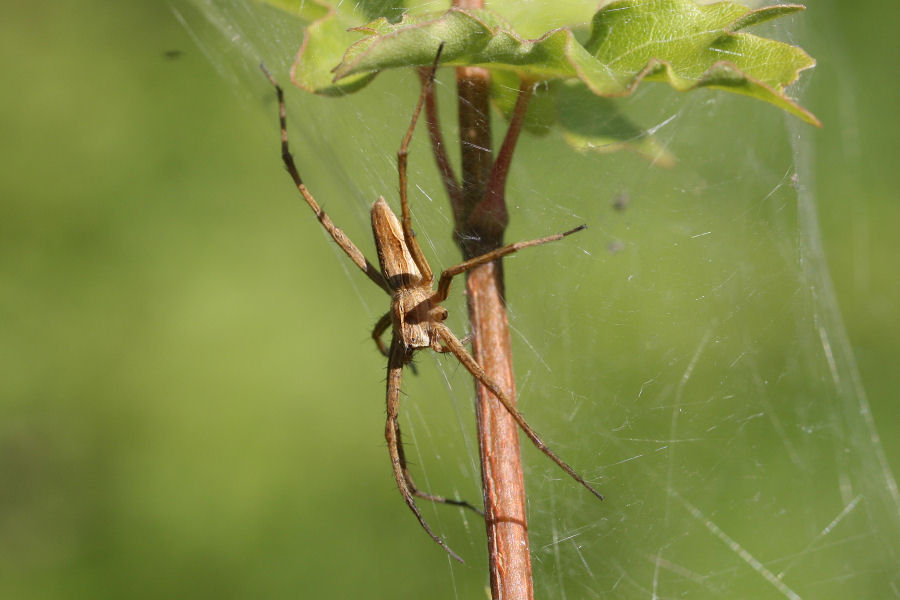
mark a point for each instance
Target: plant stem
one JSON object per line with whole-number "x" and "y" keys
{"x": 498, "y": 436}
{"x": 490, "y": 213}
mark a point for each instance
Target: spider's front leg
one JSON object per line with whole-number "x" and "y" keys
{"x": 447, "y": 276}
{"x": 335, "y": 232}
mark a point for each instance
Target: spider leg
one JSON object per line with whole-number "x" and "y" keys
{"x": 392, "y": 434}
{"x": 337, "y": 235}
{"x": 447, "y": 276}
{"x": 380, "y": 327}
{"x": 383, "y": 323}
{"x": 425, "y": 495}
{"x": 411, "y": 243}
{"x": 471, "y": 365}
{"x": 442, "y": 348}
{"x": 438, "y": 147}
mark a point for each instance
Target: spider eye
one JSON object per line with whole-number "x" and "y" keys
{"x": 442, "y": 314}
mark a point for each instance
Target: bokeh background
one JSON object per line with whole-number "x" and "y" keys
{"x": 190, "y": 405}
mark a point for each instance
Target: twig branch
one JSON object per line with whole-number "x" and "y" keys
{"x": 482, "y": 187}
{"x": 491, "y": 211}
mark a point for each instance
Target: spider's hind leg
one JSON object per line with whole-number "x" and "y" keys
{"x": 422, "y": 494}
{"x": 399, "y": 357}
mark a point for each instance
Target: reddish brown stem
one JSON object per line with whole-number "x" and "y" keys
{"x": 501, "y": 464}
{"x": 503, "y": 484}
{"x": 491, "y": 211}
{"x": 473, "y": 86}
{"x": 501, "y": 467}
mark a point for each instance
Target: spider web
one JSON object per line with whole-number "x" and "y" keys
{"x": 685, "y": 353}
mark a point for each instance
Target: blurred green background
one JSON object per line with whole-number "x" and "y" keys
{"x": 190, "y": 405}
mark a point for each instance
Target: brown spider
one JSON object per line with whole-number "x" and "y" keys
{"x": 416, "y": 314}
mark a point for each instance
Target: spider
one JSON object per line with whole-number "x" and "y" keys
{"x": 416, "y": 316}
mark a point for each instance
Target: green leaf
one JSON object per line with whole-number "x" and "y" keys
{"x": 690, "y": 46}
{"x": 594, "y": 123}
{"x": 675, "y": 41}
{"x": 325, "y": 40}
{"x": 477, "y": 37}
